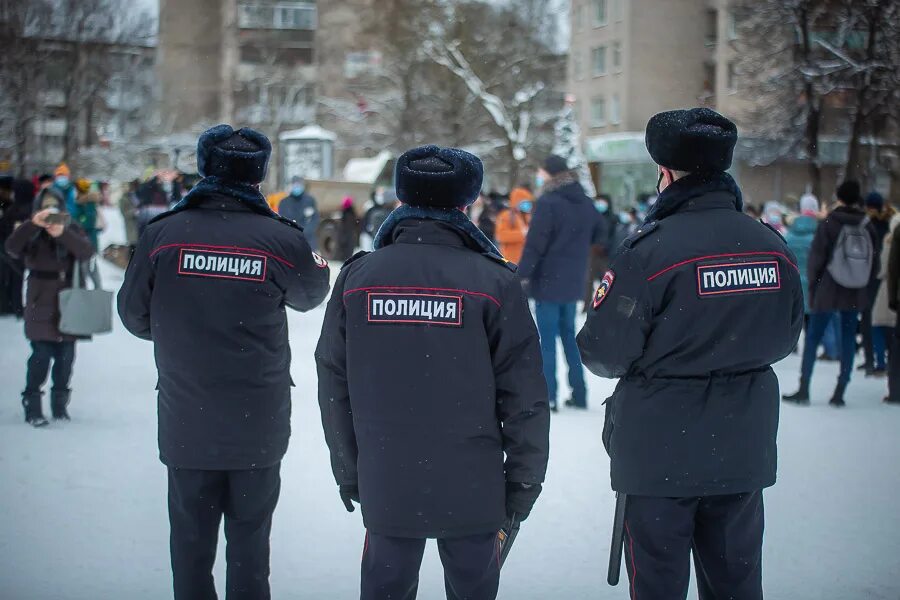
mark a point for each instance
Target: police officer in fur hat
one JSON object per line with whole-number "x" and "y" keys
{"x": 432, "y": 395}
{"x": 208, "y": 285}
{"x": 690, "y": 316}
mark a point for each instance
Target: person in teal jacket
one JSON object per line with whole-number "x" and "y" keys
{"x": 799, "y": 238}
{"x": 85, "y": 212}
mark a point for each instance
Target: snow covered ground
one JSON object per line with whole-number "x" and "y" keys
{"x": 83, "y": 505}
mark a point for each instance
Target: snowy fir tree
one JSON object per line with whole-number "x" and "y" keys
{"x": 568, "y": 145}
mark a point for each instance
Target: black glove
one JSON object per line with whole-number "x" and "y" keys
{"x": 349, "y": 495}
{"x": 520, "y": 498}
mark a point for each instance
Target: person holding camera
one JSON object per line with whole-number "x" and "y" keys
{"x": 51, "y": 245}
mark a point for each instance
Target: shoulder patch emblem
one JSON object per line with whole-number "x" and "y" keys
{"x": 415, "y": 308}
{"x": 604, "y": 288}
{"x": 736, "y": 278}
{"x": 244, "y": 266}
{"x": 320, "y": 262}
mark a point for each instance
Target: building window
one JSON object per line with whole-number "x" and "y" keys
{"x": 577, "y": 70}
{"x": 598, "y": 111}
{"x": 732, "y": 32}
{"x": 600, "y": 14}
{"x": 618, "y": 9}
{"x": 731, "y": 80}
{"x": 282, "y": 15}
{"x": 598, "y": 61}
{"x": 617, "y": 56}
{"x": 614, "y": 117}
{"x": 712, "y": 27}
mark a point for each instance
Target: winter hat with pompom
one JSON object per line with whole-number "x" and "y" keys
{"x": 693, "y": 140}
{"x": 240, "y": 156}
{"x": 438, "y": 177}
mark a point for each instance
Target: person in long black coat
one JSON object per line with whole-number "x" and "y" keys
{"x": 691, "y": 315}
{"x": 827, "y": 296}
{"x": 208, "y": 284}
{"x": 433, "y": 402}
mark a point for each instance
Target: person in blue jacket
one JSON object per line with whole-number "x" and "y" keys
{"x": 554, "y": 266}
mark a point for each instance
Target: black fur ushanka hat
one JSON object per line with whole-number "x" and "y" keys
{"x": 241, "y": 156}
{"x": 438, "y": 177}
{"x": 694, "y": 140}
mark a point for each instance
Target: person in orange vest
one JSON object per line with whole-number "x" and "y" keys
{"x": 512, "y": 224}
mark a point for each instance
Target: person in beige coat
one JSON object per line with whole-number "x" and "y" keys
{"x": 883, "y": 318}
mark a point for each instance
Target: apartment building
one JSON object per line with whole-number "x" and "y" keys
{"x": 630, "y": 59}
{"x": 246, "y": 62}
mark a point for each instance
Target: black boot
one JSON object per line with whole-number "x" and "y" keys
{"x": 837, "y": 399}
{"x": 801, "y": 396}
{"x": 34, "y": 415}
{"x": 59, "y": 400}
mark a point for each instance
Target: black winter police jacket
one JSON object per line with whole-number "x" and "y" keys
{"x": 691, "y": 315}
{"x": 429, "y": 371}
{"x": 209, "y": 286}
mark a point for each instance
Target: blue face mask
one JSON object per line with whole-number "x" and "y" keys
{"x": 297, "y": 190}
{"x": 539, "y": 181}
{"x": 525, "y": 206}
{"x": 601, "y": 206}
{"x": 62, "y": 181}
{"x": 624, "y": 218}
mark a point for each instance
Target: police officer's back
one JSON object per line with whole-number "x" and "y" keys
{"x": 429, "y": 371}
{"x": 690, "y": 316}
{"x": 208, "y": 285}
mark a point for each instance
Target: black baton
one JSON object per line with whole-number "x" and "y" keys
{"x": 506, "y": 536}
{"x": 618, "y": 541}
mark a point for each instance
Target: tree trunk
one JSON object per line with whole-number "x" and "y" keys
{"x": 813, "y": 110}
{"x": 853, "y": 168}
{"x": 813, "y": 118}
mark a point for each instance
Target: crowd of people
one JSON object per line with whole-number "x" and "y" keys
{"x": 849, "y": 284}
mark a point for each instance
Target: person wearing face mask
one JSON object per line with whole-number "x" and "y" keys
{"x": 554, "y": 268}
{"x": 512, "y": 224}
{"x": 599, "y": 260}
{"x": 62, "y": 182}
{"x": 690, "y": 317}
{"x": 300, "y": 207}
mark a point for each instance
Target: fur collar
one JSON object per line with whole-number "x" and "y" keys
{"x": 248, "y": 195}
{"x": 564, "y": 178}
{"x": 691, "y": 186}
{"x": 452, "y": 216}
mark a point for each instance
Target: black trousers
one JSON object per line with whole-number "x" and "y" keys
{"x": 197, "y": 502}
{"x": 724, "y": 533}
{"x": 63, "y": 356}
{"x": 390, "y": 567}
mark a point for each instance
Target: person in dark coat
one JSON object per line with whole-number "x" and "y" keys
{"x": 892, "y": 281}
{"x": 599, "y": 259}
{"x": 152, "y": 202}
{"x": 348, "y": 233}
{"x": 880, "y": 217}
{"x": 554, "y": 268}
{"x": 50, "y": 250}
{"x": 691, "y": 316}
{"x": 16, "y": 199}
{"x": 300, "y": 207}
{"x": 827, "y": 296}
{"x": 429, "y": 373}
{"x": 208, "y": 284}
